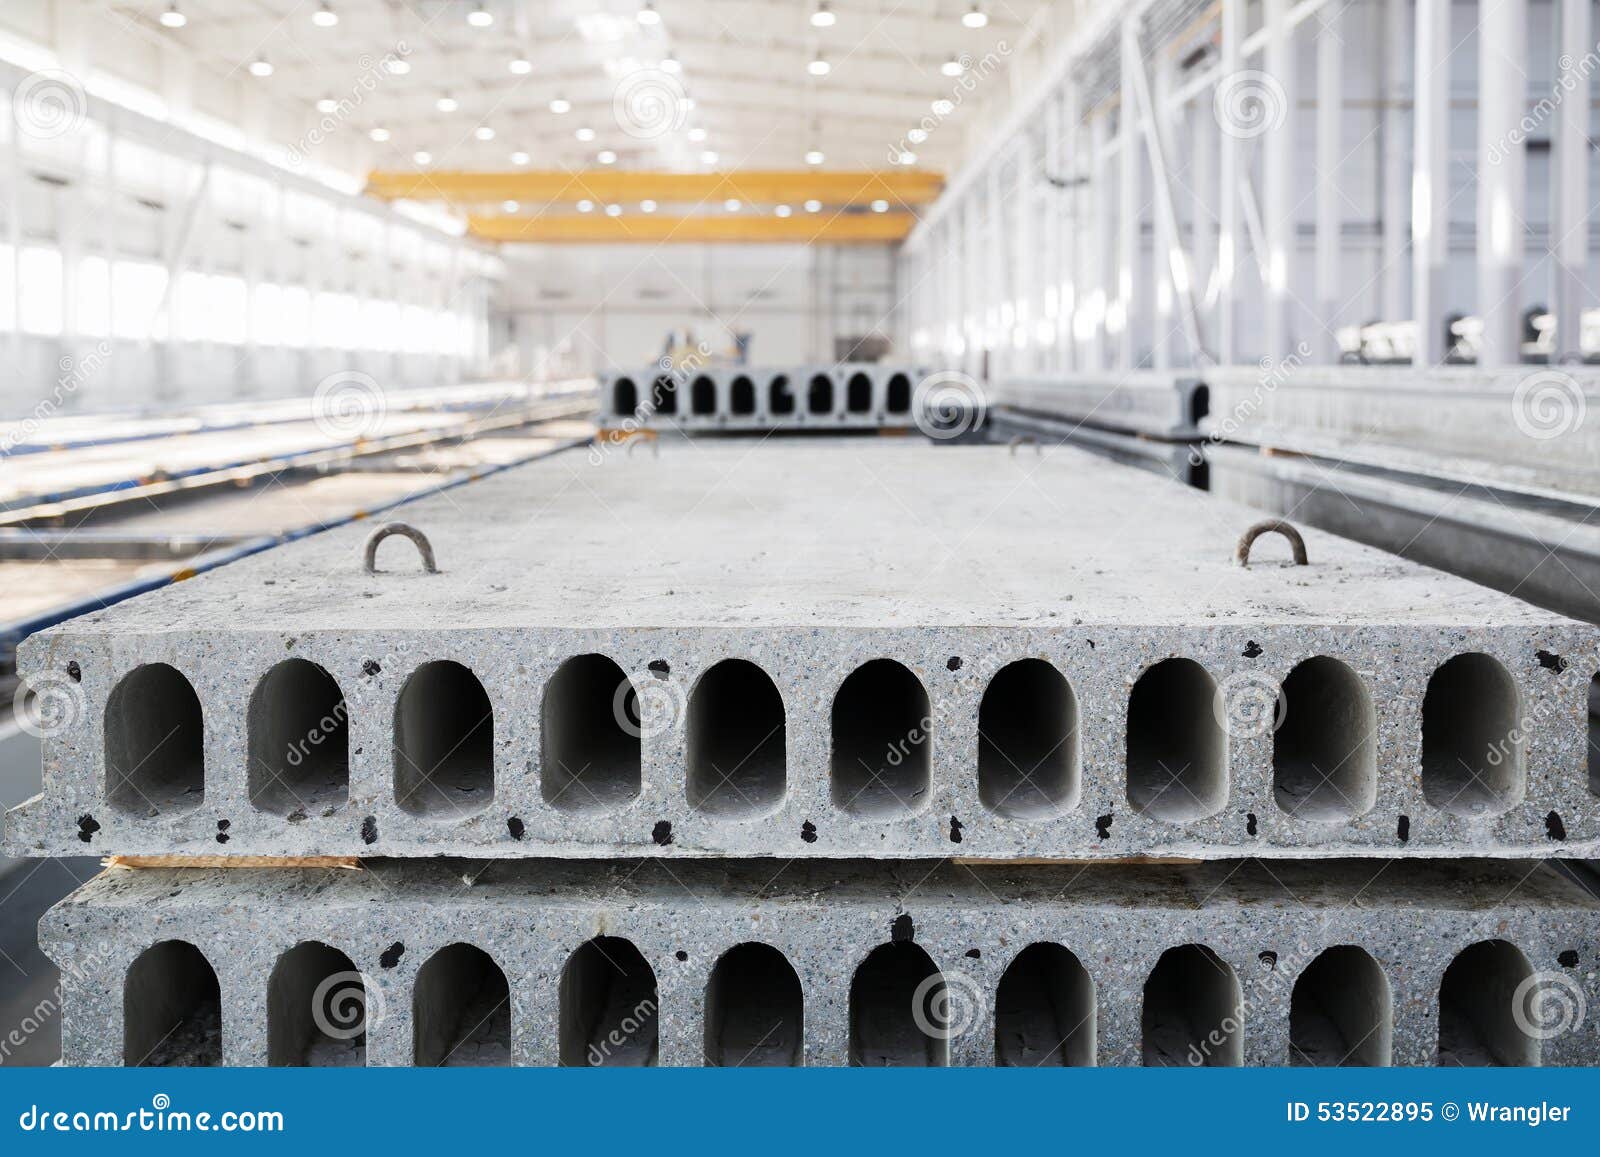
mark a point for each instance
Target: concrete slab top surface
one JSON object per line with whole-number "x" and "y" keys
{"x": 868, "y": 533}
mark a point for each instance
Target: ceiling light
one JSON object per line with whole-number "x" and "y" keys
{"x": 819, "y": 67}
{"x": 649, "y": 15}
{"x": 483, "y": 133}
{"x": 327, "y": 104}
{"x": 422, "y": 157}
{"x": 880, "y": 206}
{"x": 975, "y": 17}
{"x": 814, "y": 157}
{"x": 379, "y": 134}
{"x": 669, "y": 64}
{"x": 783, "y": 210}
{"x": 519, "y": 158}
{"x": 324, "y": 17}
{"x": 916, "y": 136}
{"x": 823, "y": 17}
{"x": 942, "y": 107}
{"x": 697, "y": 135}
{"x": 732, "y": 205}
{"x": 585, "y": 205}
{"x": 606, "y": 157}
{"x": 585, "y": 134}
{"x": 708, "y": 157}
{"x": 172, "y": 18}
{"x": 813, "y": 206}
{"x": 953, "y": 67}
{"x": 396, "y": 66}
{"x": 521, "y": 66}
{"x": 560, "y": 105}
{"x": 906, "y": 157}
{"x": 261, "y": 67}
{"x": 480, "y": 17}
{"x": 509, "y": 206}
{"x": 613, "y": 210}
{"x": 447, "y": 103}
{"x": 647, "y": 206}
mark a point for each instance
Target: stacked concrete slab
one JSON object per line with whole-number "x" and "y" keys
{"x": 845, "y": 396}
{"x": 810, "y": 675}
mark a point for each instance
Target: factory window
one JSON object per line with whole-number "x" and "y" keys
{"x": 1472, "y": 738}
{"x": 899, "y": 401}
{"x": 1594, "y": 735}
{"x": 755, "y": 1014}
{"x": 299, "y": 741}
{"x": 316, "y": 1009}
{"x": 780, "y": 399}
{"x": 736, "y": 739}
{"x": 880, "y": 741}
{"x": 1193, "y": 1011}
{"x": 1177, "y": 751}
{"x": 899, "y": 1010}
{"x": 609, "y": 1006}
{"x": 1324, "y": 752}
{"x": 819, "y": 395}
{"x": 664, "y": 395}
{"x": 624, "y": 397}
{"x": 1480, "y": 1018}
{"x": 461, "y": 1010}
{"x": 744, "y": 395}
{"x": 591, "y": 737}
{"x": 1028, "y": 742}
{"x": 171, "y": 1008}
{"x": 443, "y": 743}
{"x": 155, "y": 743}
{"x": 858, "y": 394}
{"x": 1044, "y": 1010}
{"x": 1340, "y": 1013}
{"x": 703, "y": 396}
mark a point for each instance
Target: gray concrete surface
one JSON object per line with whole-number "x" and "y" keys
{"x": 1159, "y": 404}
{"x": 880, "y": 588}
{"x": 583, "y": 963}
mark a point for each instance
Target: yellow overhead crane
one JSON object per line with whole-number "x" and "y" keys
{"x": 844, "y": 195}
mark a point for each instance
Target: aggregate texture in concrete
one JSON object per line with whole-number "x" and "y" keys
{"x": 829, "y": 648}
{"x": 841, "y": 396}
{"x": 831, "y": 963}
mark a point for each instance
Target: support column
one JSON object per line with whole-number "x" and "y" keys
{"x": 1570, "y": 229}
{"x": 1052, "y": 276}
{"x": 1278, "y": 182}
{"x": 1163, "y": 229}
{"x": 1129, "y": 199}
{"x": 1330, "y": 151}
{"x": 1430, "y": 180}
{"x": 1228, "y": 171}
{"x": 1395, "y": 37}
{"x": 1203, "y": 227}
{"x": 1103, "y": 244}
{"x": 1502, "y": 96}
{"x": 1072, "y": 281}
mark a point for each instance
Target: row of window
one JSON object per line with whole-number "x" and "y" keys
{"x": 903, "y": 1010}
{"x": 1324, "y": 741}
{"x": 781, "y": 399}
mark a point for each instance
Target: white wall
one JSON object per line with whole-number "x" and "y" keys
{"x": 596, "y": 307}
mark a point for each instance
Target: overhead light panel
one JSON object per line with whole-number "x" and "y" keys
{"x": 606, "y": 157}
{"x": 906, "y": 157}
{"x": 647, "y": 206}
{"x": 697, "y": 134}
{"x": 509, "y": 206}
{"x": 585, "y": 205}
{"x": 732, "y": 205}
{"x": 327, "y": 105}
{"x": 480, "y": 17}
{"x": 814, "y": 157}
{"x": 709, "y": 157}
{"x": 783, "y": 210}
{"x": 396, "y": 65}
{"x": 585, "y": 134}
{"x": 173, "y": 17}
{"x": 670, "y": 65}
{"x": 942, "y": 107}
{"x": 953, "y": 67}
{"x": 422, "y": 157}
{"x": 521, "y": 66}
{"x": 916, "y": 136}
{"x": 520, "y": 158}
{"x": 613, "y": 210}
{"x": 823, "y": 17}
{"x": 649, "y": 16}
{"x": 560, "y": 105}
{"x": 975, "y": 17}
{"x": 819, "y": 66}
{"x": 325, "y": 17}
{"x": 483, "y": 133}
{"x": 880, "y": 206}
{"x": 379, "y": 134}
{"x": 446, "y": 103}
{"x": 813, "y": 206}
{"x": 261, "y": 67}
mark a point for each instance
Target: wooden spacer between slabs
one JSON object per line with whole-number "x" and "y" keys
{"x": 351, "y": 862}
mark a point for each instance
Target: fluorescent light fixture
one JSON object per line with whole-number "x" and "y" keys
{"x": 732, "y": 204}
{"x": 814, "y": 157}
{"x": 823, "y": 17}
{"x": 585, "y": 134}
{"x": 606, "y": 157}
{"x": 697, "y": 135}
{"x": 649, "y": 16}
{"x": 520, "y": 158}
{"x": 483, "y": 133}
{"x": 560, "y": 105}
{"x": 396, "y": 66}
{"x": 647, "y": 206}
{"x": 819, "y": 67}
{"x": 670, "y": 65}
{"x": 325, "y": 17}
{"x": 585, "y": 205}
{"x": 880, "y": 206}
{"x": 447, "y": 103}
{"x": 509, "y": 206}
{"x": 613, "y": 210}
{"x": 327, "y": 105}
{"x": 953, "y": 67}
{"x": 521, "y": 66}
{"x": 942, "y": 107}
{"x": 261, "y": 67}
{"x": 906, "y": 157}
{"x": 379, "y": 134}
{"x": 813, "y": 206}
{"x": 975, "y": 17}
{"x": 173, "y": 18}
{"x": 709, "y": 157}
{"x": 480, "y": 17}
{"x": 916, "y": 136}
{"x": 783, "y": 210}
{"x": 422, "y": 157}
